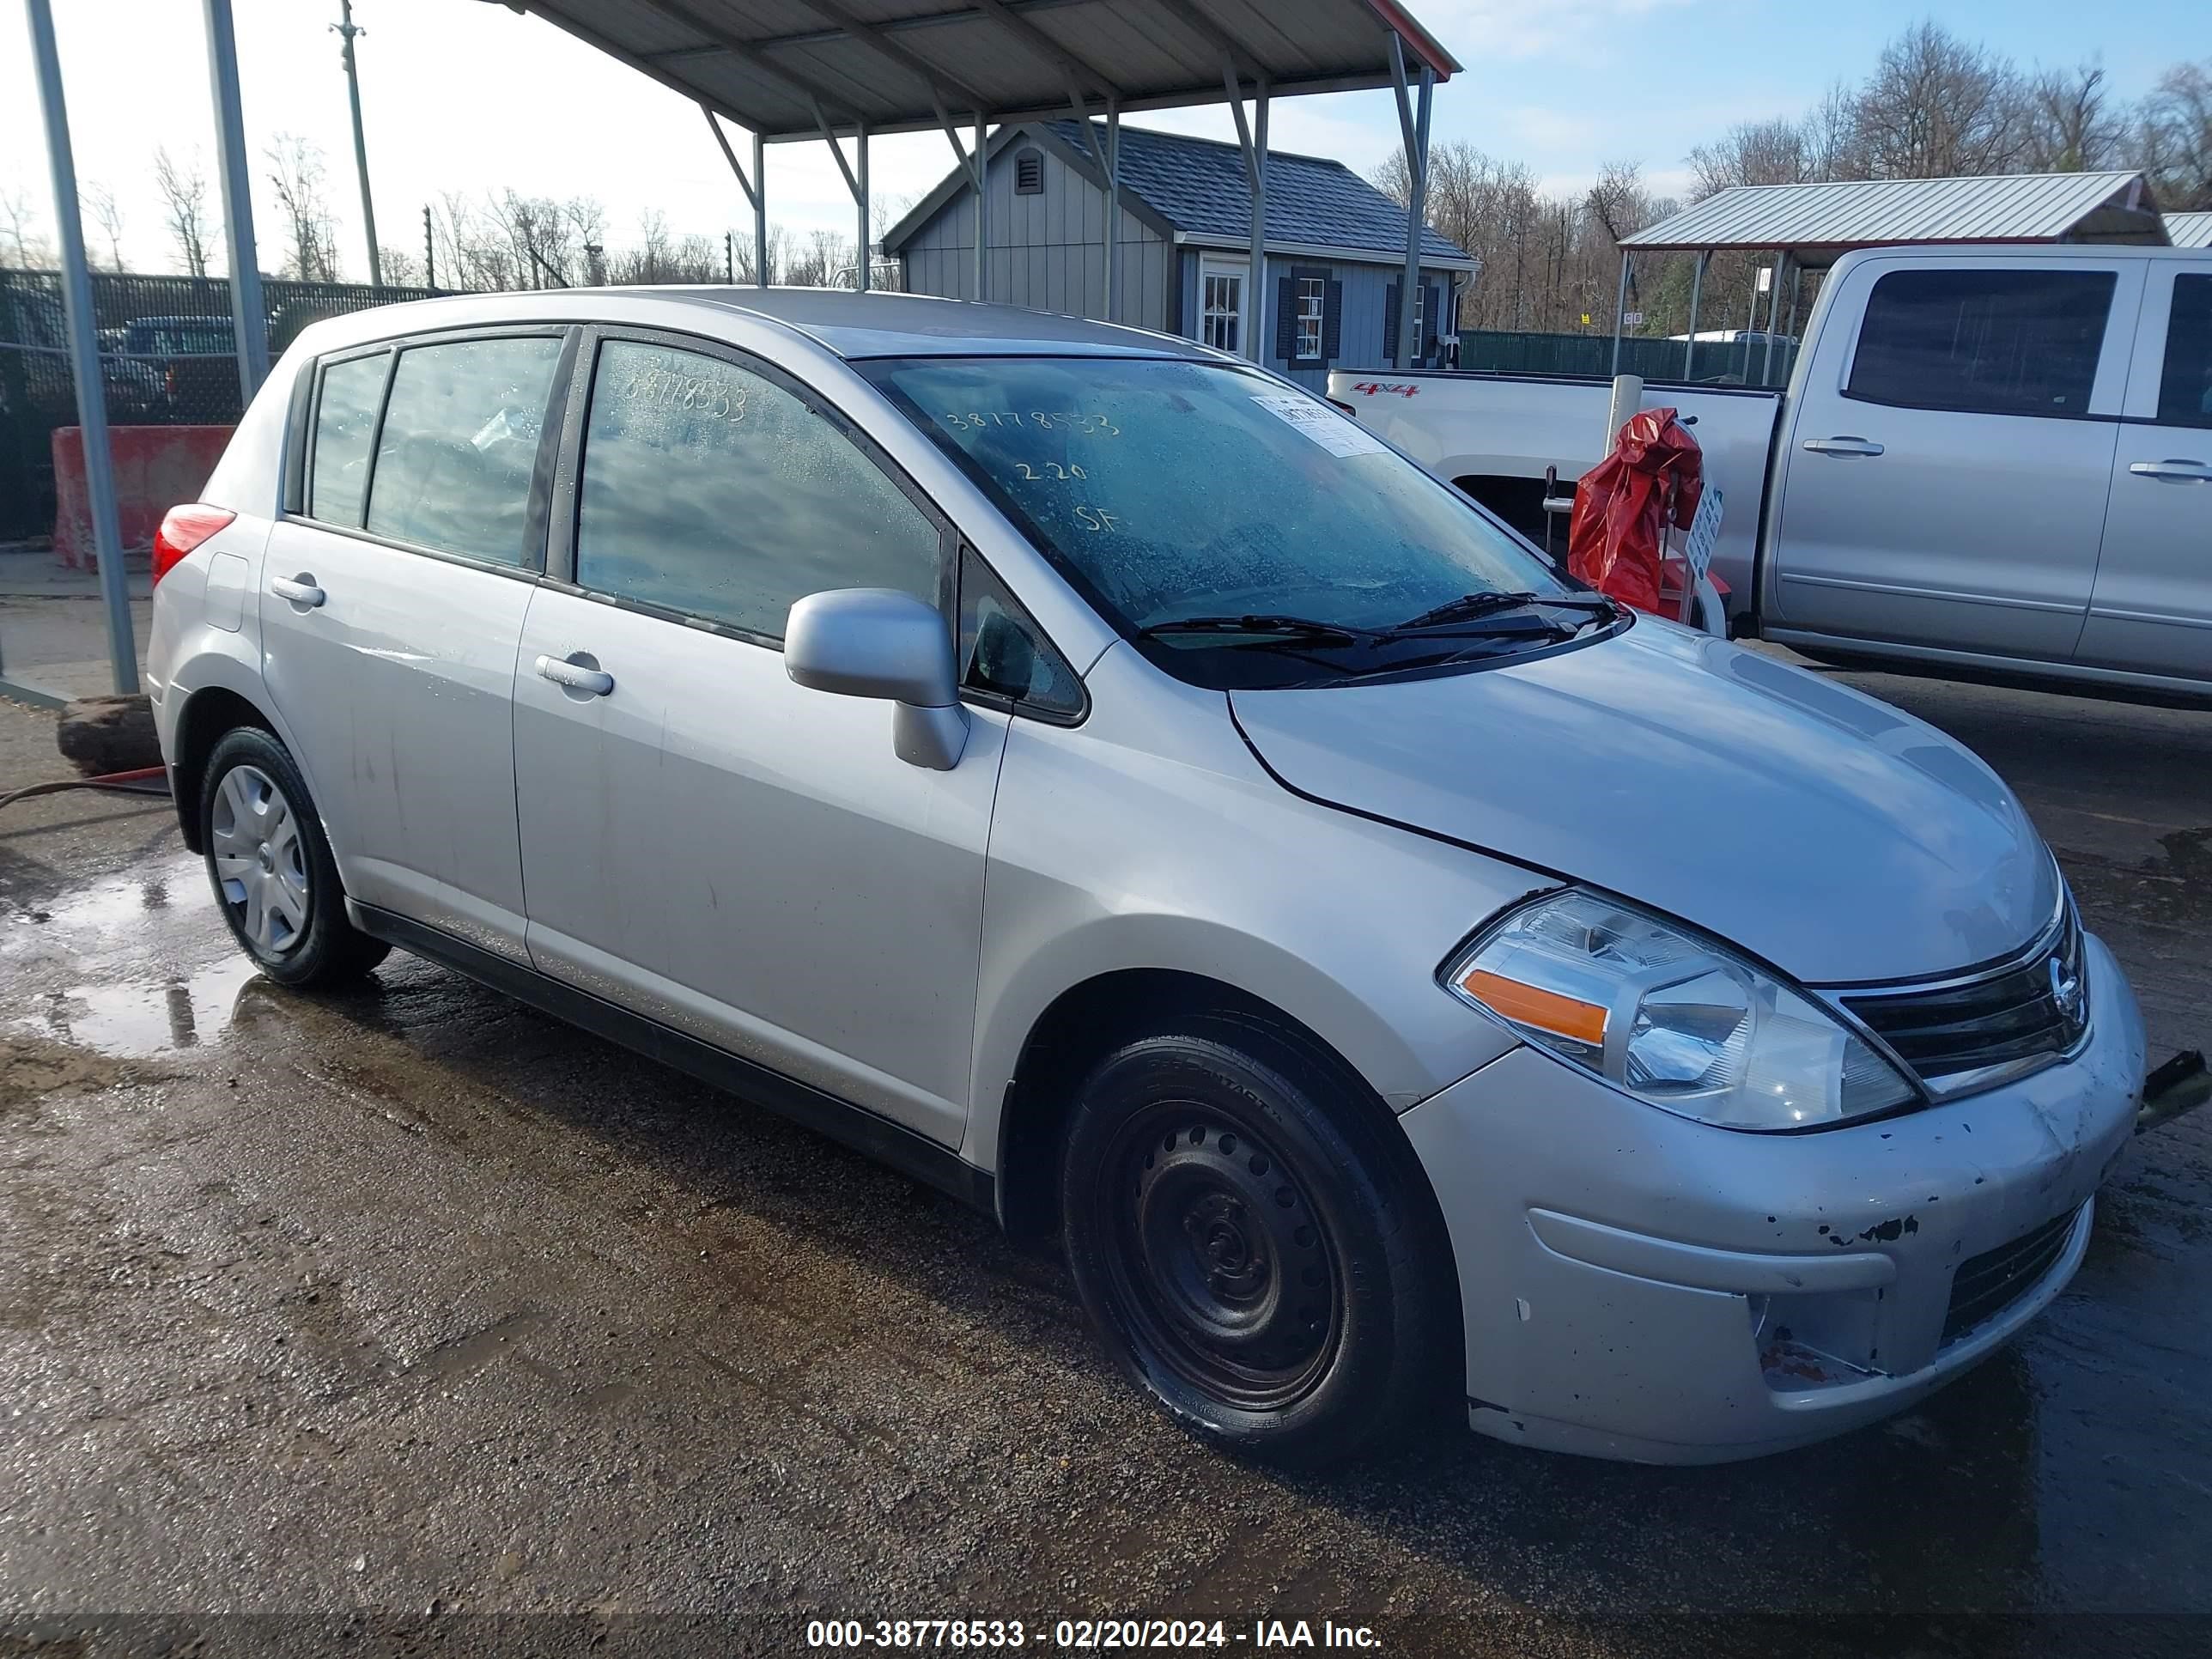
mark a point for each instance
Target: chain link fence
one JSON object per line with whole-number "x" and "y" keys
{"x": 167, "y": 357}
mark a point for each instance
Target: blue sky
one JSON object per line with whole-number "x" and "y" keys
{"x": 461, "y": 95}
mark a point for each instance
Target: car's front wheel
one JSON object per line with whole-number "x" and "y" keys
{"x": 272, "y": 868}
{"x": 1257, "y": 1251}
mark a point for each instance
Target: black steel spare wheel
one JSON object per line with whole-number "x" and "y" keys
{"x": 1222, "y": 1258}
{"x": 1256, "y": 1243}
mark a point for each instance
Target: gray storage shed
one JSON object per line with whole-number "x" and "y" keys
{"x": 1335, "y": 245}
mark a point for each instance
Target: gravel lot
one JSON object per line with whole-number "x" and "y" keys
{"x": 411, "y": 1321}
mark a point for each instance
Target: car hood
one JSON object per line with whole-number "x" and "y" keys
{"x": 1830, "y": 834}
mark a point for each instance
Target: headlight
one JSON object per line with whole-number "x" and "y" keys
{"x": 1673, "y": 1018}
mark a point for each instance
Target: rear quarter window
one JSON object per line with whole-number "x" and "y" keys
{"x": 345, "y": 426}
{"x": 1983, "y": 342}
{"x": 459, "y": 439}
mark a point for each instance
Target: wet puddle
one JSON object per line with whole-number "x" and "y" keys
{"x": 121, "y": 907}
{"x": 98, "y": 967}
{"x": 139, "y": 1018}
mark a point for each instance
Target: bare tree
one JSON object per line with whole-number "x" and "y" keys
{"x": 1937, "y": 107}
{"x": 184, "y": 199}
{"x": 698, "y": 258}
{"x": 2067, "y": 124}
{"x": 401, "y": 269}
{"x": 1777, "y": 152}
{"x": 2176, "y": 136}
{"x": 100, "y": 202}
{"x": 19, "y": 221}
{"x": 311, "y": 237}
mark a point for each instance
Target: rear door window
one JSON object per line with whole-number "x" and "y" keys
{"x": 458, "y": 444}
{"x": 2185, "y": 385}
{"x": 711, "y": 490}
{"x": 345, "y": 426}
{"x": 1984, "y": 342}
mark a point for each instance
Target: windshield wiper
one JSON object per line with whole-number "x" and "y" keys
{"x": 1468, "y": 607}
{"x": 1263, "y": 630}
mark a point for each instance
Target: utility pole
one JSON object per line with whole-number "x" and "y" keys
{"x": 430, "y": 251}
{"x": 346, "y": 31}
{"x": 730, "y": 257}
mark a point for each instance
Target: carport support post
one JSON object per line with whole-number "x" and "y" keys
{"x": 84, "y": 352}
{"x": 860, "y": 196}
{"x": 1620, "y": 309}
{"x": 1774, "y": 311}
{"x": 249, "y": 318}
{"x": 1697, "y": 291}
{"x": 1413, "y": 135}
{"x": 760, "y": 211}
{"x": 1253, "y": 140}
{"x": 982, "y": 197}
{"x": 755, "y": 190}
{"x": 1113, "y": 199}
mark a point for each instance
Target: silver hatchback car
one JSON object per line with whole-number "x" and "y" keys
{"x": 1096, "y": 777}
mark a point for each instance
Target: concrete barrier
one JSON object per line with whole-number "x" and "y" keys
{"x": 155, "y": 468}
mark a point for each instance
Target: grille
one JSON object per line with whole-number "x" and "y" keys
{"x": 1988, "y": 1284}
{"x": 2012, "y": 1015}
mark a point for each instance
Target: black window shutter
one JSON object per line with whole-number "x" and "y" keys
{"x": 1287, "y": 320}
{"x": 1390, "y": 323}
{"x": 1432, "y": 304}
{"x": 1332, "y": 322}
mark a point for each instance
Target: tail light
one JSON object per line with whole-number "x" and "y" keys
{"x": 1347, "y": 408}
{"x": 183, "y": 529}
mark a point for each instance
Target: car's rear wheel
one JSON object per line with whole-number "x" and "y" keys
{"x": 272, "y": 868}
{"x": 1258, "y": 1254}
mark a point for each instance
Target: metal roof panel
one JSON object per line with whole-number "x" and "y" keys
{"x": 2016, "y": 207}
{"x": 2189, "y": 229}
{"x": 768, "y": 64}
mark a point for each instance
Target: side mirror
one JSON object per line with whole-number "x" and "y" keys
{"x": 880, "y": 642}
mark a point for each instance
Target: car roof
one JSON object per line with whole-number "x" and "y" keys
{"x": 852, "y": 325}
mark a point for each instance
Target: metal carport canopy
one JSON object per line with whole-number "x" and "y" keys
{"x": 783, "y": 67}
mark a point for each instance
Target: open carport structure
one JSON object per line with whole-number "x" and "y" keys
{"x": 1811, "y": 226}
{"x": 841, "y": 72}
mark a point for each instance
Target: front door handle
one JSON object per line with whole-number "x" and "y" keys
{"x": 1841, "y": 447}
{"x": 576, "y": 676}
{"x": 300, "y": 589}
{"x": 2181, "y": 472}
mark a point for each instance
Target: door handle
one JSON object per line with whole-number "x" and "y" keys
{"x": 1841, "y": 447}
{"x": 576, "y": 676}
{"x": 2181, "y": 472}
{"x": 300, "y": 589}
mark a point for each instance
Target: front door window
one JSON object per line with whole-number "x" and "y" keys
{"x": 1221, "y": 292}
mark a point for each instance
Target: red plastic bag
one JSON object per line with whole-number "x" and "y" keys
{"x": 1624, "y": 503}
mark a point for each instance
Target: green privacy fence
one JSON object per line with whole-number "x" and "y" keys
{"x": 1717, "y": 362}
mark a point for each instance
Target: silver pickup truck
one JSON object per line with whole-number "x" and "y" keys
{"x": 1989, "y": 460}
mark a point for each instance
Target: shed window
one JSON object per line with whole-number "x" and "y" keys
{"x": 1028, "y": 172}
{"x": 1313, "y": 293}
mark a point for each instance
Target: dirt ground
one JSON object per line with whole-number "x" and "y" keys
{"x": 411, "y": 1321}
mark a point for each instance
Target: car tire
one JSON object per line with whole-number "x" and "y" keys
{"x": 270, "y": 865}
{"x": 1258, "y": 1245}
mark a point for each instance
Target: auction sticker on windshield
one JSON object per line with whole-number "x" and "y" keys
{"x": 1321, "y": 423}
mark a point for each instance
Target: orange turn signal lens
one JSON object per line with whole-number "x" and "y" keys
{"x": 1531, "y": 1004}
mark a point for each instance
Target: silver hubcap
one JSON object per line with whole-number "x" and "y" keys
{"x": 260, "y": 862}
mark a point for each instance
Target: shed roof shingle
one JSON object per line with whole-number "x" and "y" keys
{"x": 1198, "y": 186}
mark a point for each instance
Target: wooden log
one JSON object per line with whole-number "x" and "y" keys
{"x": 109, "y": 734}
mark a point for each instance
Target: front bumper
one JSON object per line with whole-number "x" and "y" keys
{"x": 1637, "y": 1285}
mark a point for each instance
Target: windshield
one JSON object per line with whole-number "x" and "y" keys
{"x": 1173, "y": 490}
